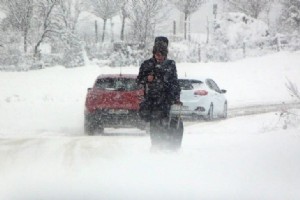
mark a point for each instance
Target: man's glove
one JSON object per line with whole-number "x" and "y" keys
{"x": 177, "y": 102}
{"x": 150, "y": 78}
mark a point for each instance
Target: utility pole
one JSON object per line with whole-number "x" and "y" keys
{"x": 189, "y": 23}
{"x": 96, "y": 32}
{"x": 174, "y": 30}
{"x": 112, "y": 30}
{"x": 215, "y": 11}
{"x": 207, "y": 31}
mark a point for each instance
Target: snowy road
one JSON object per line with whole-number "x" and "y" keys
{"x": 259, "y": 109}
{"x": 251, "y": 155}
{"x": 245, "y": 157}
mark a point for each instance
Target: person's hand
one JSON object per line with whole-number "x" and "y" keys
{"x": 178, "y": 102}
{"x": 150, "y": 78}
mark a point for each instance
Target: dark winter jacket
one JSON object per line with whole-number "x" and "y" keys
{"x": 165, "y": 87}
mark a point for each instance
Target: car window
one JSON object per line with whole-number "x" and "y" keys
{"x": 185, "y": 84}
{"x": 197, "y": 83}
{"x": 188, "y": 84}
{"x": 126, "y": 84}
{"x": 212, "y": 85}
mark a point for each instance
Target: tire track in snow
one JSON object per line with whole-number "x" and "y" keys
{"x": 252, "y": 110}
{"x": 259, "y": 109}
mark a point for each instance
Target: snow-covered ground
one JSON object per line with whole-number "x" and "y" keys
{"x": 45, "y": 155}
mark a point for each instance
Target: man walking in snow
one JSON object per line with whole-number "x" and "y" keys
{"x": 158, "y": 75}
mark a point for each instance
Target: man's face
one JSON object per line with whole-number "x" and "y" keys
{"x": 159, "y": 58}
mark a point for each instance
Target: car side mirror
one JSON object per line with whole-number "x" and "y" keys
{"x": 223, "y": 91}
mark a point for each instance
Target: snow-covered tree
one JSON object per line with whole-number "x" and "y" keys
{"x": 144, "y": 16}
{"x": 46, "y": 23}
{"x": 188, "y": 7}
{"x": 105, "y": 9}
{"x": 70, "y": 44}
{"x": 236, "y": 28}
{"x": 251, "y": 8}
{"x": 19, "y": 14}
{"x": 290, "y": 18}
{"x": 125, "y": 13}
{"x": 69, "y": 12}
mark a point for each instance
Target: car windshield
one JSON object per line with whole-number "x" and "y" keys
{"x": 126, "y": 84}
{"x": 189, "y": 84}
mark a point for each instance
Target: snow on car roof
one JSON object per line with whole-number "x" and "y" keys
{"x": 132, "y": 76}
{"x": 192, "y": 78}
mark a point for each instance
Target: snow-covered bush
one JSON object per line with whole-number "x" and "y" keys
{"x": 9, "y": 55}
{"x": 290, "y": 17}
{"x": 294, "y": 42}
{"x": 235, "y": 36}
{"x": 288, "y": 117}
{"x": 233, "y": 29}
{"x": 10, "y": 50}
{"x": 126, "y": 54}
{"x": 216, "y": 52}
{"x": 72, "y": 50}
{"x": 185, "y": 51}
{"x": 100, "y": 51}
{"x": 52, "y": 59}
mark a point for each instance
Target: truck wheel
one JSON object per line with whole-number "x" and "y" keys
{"x": 89, "y": 125}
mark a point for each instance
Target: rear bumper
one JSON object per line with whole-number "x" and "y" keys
{"x": 197, "y": 107}
{"x": 183, "y": 112}
{"x": 189, "y": 113}
{"x": 106, "y": 119}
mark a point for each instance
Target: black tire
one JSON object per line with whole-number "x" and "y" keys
{"x": 176, "y": 133}
{"x": 225, "y": 111}
{"x": 91, "y": 125}
{"x": 100, "y": 129}
{"x": 210, "y": 115}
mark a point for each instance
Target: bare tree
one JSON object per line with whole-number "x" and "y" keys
{"x": 48, "y": 24}
{"x": 290, "y": 16}
{"x": 188, "y": 7}
{"x": 124, "y": 15}
{"x": 69, "y": 12}
{"x": 105, "y": 9}
{"x": 19, "y": 15}
{"x": 70, "y": 44}
{"x": 252, "y": 8}
{"x": 143, "y": 17}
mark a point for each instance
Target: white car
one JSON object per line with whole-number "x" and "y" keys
{"x": 201, "y": 98}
